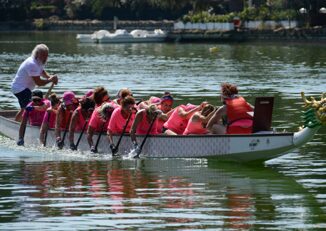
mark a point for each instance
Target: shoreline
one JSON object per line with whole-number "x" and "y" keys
{"x": 317, "y": 34}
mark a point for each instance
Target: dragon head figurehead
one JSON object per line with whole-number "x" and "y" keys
{"x": 318, "y": 107}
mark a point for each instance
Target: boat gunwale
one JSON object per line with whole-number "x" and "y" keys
{"x": 179, "y": 136}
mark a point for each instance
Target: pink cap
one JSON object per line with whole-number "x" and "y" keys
{"x": 89, "y": 93}
{"x": 155, "y": 100}
{"x": 190, "y": 106}
{"x": 68, "y": 97}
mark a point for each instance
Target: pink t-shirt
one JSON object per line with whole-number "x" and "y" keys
{"x": 117, "y": 122}
{"x": 96, "y": 121}
{"x": 36, "y": 117}
{"x": 143, "y": 126}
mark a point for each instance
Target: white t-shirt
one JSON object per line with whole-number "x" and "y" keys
{"x": 24, "y": 76}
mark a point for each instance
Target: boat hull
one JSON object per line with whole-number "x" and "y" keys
{"x": 122, "y": 36}
{"x": 250, "y": 147}
{"x": 132, "y": 40}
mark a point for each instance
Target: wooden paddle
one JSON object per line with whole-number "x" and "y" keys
{"x": 62, "y": 142}
{"x": 49, "y": 91}
{"x": 81, "y": 134}
{"x": 46, "y": 132}
{"x": 116, "y": 148}
{"x": 139, "y": 149}
{"x": 102, "y": 130}
{"x": 90, "y": 111}
{"x": 98, "y": 138}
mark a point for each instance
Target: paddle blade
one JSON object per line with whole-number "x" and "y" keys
{"x": 137, "y": 151}
{"x": 114, "y": 150}
{"x": 93, "y": 149}
{"x": 60, "y": 144}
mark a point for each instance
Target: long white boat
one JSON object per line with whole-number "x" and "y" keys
{"x": 250, "y": 147}
{"x": 122, "y": 36}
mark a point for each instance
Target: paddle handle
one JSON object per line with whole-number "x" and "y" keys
{"x": 147, "y": 133}
{"x": 81, "y": 133}
{"x": 123, "y": 131}
{"x": 49, "y": 91}
{"x": 65, "y": 132}
{"x": 99, "y": 136}
{"x": 46, "y": 132}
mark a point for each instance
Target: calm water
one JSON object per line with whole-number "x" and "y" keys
{"x": 47, "y": 189}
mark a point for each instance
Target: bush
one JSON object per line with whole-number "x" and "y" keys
{"x": 248, "y": 14}
{"x": 39, "y": 24}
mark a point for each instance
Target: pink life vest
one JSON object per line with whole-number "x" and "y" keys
{"x": 50, "y": 117}
{"x": 36, "y": 117}
{"x": 195, "y": 128}
{"x": 144, "y": 124}
{"x": 176, "y": 123}
{"x": 117, "y": 122}
{"x": 80, "y": 120}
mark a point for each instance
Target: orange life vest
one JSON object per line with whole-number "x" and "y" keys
{"x": 239, "y": 121}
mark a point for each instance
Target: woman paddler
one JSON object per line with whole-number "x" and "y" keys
{"x": 49, "y": 117}
{"x": 68, "y": 105}
{"x": 80, "y": 118}
{"x": 166, "y": 107}
{"x": 197, "y": 122}
{"x": 100, "y": 96}
{"x": 99, "y": 122}
{"x": 34, "y": 113}
{"x": 144, "y": 120}
{"x": 177, "y": 122}
{"x": 236, "y": 112}
{"x": 119, "y": 119}
{"x": 164, "y": 104}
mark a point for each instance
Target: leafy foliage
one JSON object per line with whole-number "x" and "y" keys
{"x": 188, "y": 10}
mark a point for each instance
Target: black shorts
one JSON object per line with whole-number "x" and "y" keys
{"x": 24, "y": 97}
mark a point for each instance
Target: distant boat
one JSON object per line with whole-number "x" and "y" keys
{"x": 248, "y": 147}
{"x": 123, "y": 36}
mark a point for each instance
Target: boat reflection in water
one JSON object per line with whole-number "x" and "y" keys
{"x": 152, "y": 193}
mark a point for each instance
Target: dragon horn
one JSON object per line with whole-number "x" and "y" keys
{"x": 305, "y": 100}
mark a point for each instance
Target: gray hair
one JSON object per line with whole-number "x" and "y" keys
{"x": 39, "y": 49}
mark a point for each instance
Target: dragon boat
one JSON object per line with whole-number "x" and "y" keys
{"x": 263, "y": 144}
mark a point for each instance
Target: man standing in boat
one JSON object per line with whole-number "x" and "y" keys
{"x": 29, "y": 74}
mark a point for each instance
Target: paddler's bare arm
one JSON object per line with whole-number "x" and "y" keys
{"x": 216, "y": 117}
{"x": 138, "y": 118}
{"x": 42, "y": 82}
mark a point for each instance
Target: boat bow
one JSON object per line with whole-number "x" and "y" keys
{"x": 303, "y": 136}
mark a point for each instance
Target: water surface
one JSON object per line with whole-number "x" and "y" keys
{"x": 47, "y": 189}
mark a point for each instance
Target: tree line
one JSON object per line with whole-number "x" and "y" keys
{"x": 160, "y": 9}
{"x": 99, "y": 9}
